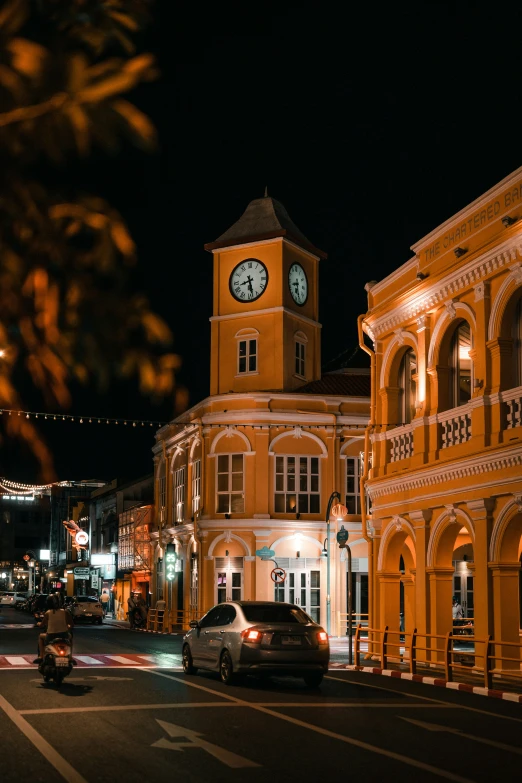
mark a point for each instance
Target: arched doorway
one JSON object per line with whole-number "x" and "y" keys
{"x": 396, "y": 567}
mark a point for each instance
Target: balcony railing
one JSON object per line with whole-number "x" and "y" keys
{"x": 455, "y": 427}
{"x": 513, "y": 402}
{"x": 401, "y": 445}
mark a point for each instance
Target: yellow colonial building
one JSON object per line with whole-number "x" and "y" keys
{"x": 446, "y": 423}
{"x": 244, "y": 478}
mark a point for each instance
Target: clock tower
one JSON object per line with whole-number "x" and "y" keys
{"x": 265, "y": 333}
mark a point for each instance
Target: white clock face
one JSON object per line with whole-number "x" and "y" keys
{"x": 248, "y": 280}
{"x": 298, "y": 284}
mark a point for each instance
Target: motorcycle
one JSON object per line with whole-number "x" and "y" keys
{"x": 57, "y": 660}
{"x": 140, "y": 622}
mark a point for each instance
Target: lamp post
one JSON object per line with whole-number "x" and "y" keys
{"x": 333, "y": 496}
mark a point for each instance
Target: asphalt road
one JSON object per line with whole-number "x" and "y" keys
{"x": 132, "y": 715}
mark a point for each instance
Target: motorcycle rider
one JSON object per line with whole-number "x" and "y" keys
{"x": 57, "y": 623}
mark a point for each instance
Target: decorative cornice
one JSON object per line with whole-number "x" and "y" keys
{"x": 444, "y": 473}
{"x": 453, "y": 284}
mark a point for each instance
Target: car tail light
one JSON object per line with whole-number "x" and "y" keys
{"x": 322, "y": 637}
{"x": 250, "y": 635}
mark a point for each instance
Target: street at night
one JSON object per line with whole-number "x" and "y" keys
{"x": 127, "y": 711}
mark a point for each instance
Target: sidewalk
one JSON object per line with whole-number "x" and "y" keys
{"x": 470, "y": 680}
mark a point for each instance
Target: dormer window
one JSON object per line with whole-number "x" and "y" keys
{"x": 247, "y": 351}
{"x": 300, "y": 354}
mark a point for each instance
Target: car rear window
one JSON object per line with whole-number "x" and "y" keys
{"x": 267, "y": 613}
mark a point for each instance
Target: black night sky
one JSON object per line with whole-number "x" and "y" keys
{"x": 371, "y": 126}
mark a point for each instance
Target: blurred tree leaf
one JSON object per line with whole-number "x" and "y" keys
{"x": 67, "y": 308}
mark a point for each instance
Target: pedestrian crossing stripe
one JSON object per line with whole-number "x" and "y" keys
{"x": 166, "y": 660}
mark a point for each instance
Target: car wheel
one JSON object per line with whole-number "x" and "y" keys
{"x": 226, "y": 670}
{"x": 100, "y": 620}
{"x": 47, "y": 677}
{"x": 188, "y": 666}
{"x": 58, "y": 678}
{"x": 314, "y": 679}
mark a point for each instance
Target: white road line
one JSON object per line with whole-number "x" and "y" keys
{"x": 148, "y": 657}
{"x": 121, "y": 659}
{"x": 124, "y": 707}
{"x": 327, "y": 733}
{"x": 425, "y": 698}
{"x": 88, "y": 659}
{"x": 180, "y": 705}
{"x": 59, "y": 763}
{"x": 16, "y": 660}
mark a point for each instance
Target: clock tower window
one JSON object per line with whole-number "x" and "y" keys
{"x": 247, "y": 356}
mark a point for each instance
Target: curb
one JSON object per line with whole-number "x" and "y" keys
{"x": 454, "y": 686}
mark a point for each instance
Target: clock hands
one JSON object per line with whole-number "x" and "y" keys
{"x": 248, "y": 282}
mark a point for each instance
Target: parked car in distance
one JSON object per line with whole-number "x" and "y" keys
{"x": 20, "y": 600}
{"x": 257, "y": 637}
{"x": 88, "y": 608}
{"x": 9, "y": 598}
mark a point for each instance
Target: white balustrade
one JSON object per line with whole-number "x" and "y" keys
{"x": 514, "y": 412}
{"x": 401, "y": 443}
{"x": 456, "y": 427}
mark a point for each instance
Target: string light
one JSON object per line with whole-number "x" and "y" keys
{"x": 82, "y": 419}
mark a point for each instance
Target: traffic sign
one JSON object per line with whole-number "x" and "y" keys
{"x": 170, "y": 562}
{"x": 278, "y": 575}
{"x": 342, "y": 537}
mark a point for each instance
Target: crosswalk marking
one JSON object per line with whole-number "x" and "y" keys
{"x": 162, "y": 661}
{"x": 16, "y": 660}
{"x": 120, "y": 659}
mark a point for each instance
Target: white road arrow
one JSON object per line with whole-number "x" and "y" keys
{"x": 449, "y": 730}
{"x": 195, "y": 741}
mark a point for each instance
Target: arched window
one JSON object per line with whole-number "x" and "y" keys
{"x": 460, "y": 376}
{"x": 407, "y": 387}
{"x": 517, "y": 344}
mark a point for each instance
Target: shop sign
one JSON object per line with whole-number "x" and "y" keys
{"x": 81, "y": 573}
{"x": 265, "y": 553}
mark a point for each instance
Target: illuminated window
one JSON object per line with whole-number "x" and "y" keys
{"x": 230, "y": 493}
{"x": 352, "y": 495}
{"x": 179, "y": 494}
{"x": 460, "y": 366}
{"x": 407, "y": 387}
{"x": 162, "y": 492}
{"x": 517, "y": 344}
{"x": 300, "y": 359}
{"x": 297, "y": 485}
{"x": 247, "y": 356}
{"x": 196, "y": 486}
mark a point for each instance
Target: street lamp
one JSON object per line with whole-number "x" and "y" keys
{"x": 333, "y": 496}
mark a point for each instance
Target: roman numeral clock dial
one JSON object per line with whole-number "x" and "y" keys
{"x": 248, "y": 280}
{"x": 298, "y": 284}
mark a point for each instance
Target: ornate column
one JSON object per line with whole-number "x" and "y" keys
{"x": 421, "y": 525}
{"x": 506, "y": 580}
{"x": 440, "y": 620}
{"x": 481, "y": 513}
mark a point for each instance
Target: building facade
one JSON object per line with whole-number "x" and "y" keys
{"x": 244, "y": 478}
{"x": 446, "y": 477}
